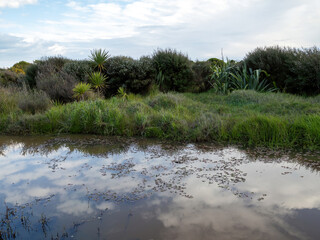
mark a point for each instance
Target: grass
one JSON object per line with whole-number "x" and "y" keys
{"x": 274, "y": 120}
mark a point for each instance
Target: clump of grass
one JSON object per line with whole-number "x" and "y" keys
{"x": 8, "y": 100}
{"x": 34, "y": 101}
{"x": 165, "y": 100}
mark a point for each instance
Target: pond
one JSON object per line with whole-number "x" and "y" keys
{"x": 89, "y": 187}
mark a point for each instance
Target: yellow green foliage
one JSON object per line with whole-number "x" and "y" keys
{"x": 20, "y": 67}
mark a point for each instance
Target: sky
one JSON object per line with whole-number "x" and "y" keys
{"x": 31, "y": 29}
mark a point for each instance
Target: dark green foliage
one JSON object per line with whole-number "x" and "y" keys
{"x": 202, "y": 75}
{"x": 307, "y": 71}
{"x": 134, "y": 75}
{"x": 276, "y": 61}
{"x": 293, "y": 70}
{"x": 34, "y": 101}
{"x": 79, "y": 69}
{"x": 173, "y": 69}
{"x": 31, "y": 73}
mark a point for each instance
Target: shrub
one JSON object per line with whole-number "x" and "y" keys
{"x": 58, "y": 85}
{"x": 173, "y": 69}
{"x": 30, "y": 76}
{"x": 9, "y": 78}
{"x": 20, "y": 67}
{"x": 143, "y": 76}
{"x": 80, "y": 70}
{"x": 307, "y": 71}
{"x": 134, "y": 75}
{"x": 53, "y": 80}
{"x": 293, "y": 70}
{"x": 202, "y": 74}
{"x": 276, "y": 61}
{"x": 34, "y": 101}
{"x": 56, "y": 63}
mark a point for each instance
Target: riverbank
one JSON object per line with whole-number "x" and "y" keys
{"x": 275, "y": 120}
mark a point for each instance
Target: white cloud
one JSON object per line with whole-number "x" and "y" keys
{"x": 56, "y": 49}
{"x": 197, "y": 27}
{"x": 16, "y": 3}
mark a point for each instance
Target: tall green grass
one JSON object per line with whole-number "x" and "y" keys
{"x": 244, "y": 117}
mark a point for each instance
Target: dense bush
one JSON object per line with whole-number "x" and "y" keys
{"x": 34, "y": 101}
{"x": 173, "y": 69}
{"x": 56, "y": 62}
{"x": 293, "y": 70}
{"x": 134, "y": 75}
{"x": 54, "y": 81}
{"x": 202, "y": 74}
{"x": 9, "y": 78}
{"x": 80, "y": 70}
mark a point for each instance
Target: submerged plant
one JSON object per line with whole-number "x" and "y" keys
{"x": 99, "y": 58}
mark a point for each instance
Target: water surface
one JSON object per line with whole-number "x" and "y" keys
{"x": 88, "y": 187}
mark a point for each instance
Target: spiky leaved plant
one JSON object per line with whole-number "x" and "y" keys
{"x": 98, "y": 81}
{"x": 80, "y": 90}
{"x": 99, "y": 58}
{"x": 122, "y": 93}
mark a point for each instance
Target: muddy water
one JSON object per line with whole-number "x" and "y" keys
{"x": 87, "y": 187}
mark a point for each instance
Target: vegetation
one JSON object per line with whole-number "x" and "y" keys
{"x": 244, "y": 116}
{"x": 98, "y": 81}
{"x": 173, "y": 70}
{"x": 231, "y": 102}
{"x": 80, "y": 90}
{"x": 99, "y": 58}
{"x": 293, "y": 70}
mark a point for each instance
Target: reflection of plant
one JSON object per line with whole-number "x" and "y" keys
{"x": 80, "y": 90}
{"x": 98, "y": 81}
{"x": 99, "y": 58}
